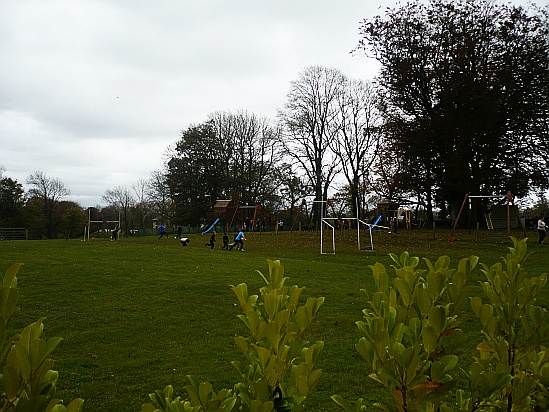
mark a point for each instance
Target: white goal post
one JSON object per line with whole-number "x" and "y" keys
{"x": 87, "y": 228}
{"x": 367, "y": 226}
{"x": 326, "y": 221}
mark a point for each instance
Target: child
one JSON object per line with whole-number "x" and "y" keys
{"x": 163, "y": 232}
{"x": 212, "y": 241}
{"x": 184, "y": 241}
{"x": 225, "y": 241}
{"x": 239, "y": 241}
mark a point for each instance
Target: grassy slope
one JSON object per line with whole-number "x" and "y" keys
{"x": 140, "y": 313}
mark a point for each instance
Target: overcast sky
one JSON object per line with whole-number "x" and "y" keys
{"x": 93, "y": 92}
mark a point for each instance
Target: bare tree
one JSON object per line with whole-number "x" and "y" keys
{"x": 122, "y": 199}
{"x": 310, "y": 120}
{"x": 358, "y": 138}
{"x": 141, "y": 190}
{"x": 249, "y": 148}
{"x": 50, "y": 191}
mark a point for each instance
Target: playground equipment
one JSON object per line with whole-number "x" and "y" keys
{"x": 228, "y": 213}
{"x": 508, "y": 198}
{"x": 240, "y": 207}
{"x": 211, "y": 227}
{"x": 407, "y": 217}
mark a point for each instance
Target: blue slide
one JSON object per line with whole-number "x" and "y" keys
{"x": 375, "y": 223}
{"x": 211, "y": 227}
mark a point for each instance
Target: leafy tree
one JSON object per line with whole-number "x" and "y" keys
{"x": 33, "y": 216}
{"x": 70, "y": 219}
{"x": 11, "y": 202}
{"x": 193, "y": 173}
{"x": 540, "y": 207}
{"x": 311, "y": 124}
{"x": 230, "y": 156}
{"x": 292, "y": 188}
{"x": 466, "y": 85}
{"x": 48, "y": 191}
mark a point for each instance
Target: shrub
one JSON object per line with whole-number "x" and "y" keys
{"x": 411, "y": 335}
{"x": 279, "y": 369}
{"x": 512, "y": 369}
{"x": 411, "y": 331}
{"x": 28, "y": 380}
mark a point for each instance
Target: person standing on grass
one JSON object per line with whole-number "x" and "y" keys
{"x": 179, "y": 231}
{"x": 541, "y": 229}
{"x": 115, "y": 233}
{"x": 163, "y": 232}
{"x": 239, "y": 241}
{"x": 212, "y": 241}
{"x": 225, "y": 241}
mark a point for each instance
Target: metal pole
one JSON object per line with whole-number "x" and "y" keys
{"x": 508, "y": 218}
{"x": 321, "y": 221}
{"x": 357, "y": 225}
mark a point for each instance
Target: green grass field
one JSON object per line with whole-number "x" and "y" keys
{"x": 140, "y": 313}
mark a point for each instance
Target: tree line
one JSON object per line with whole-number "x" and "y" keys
{"x": 460, "y": 105}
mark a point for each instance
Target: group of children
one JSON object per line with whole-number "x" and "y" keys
{"x": 238, "y": 241}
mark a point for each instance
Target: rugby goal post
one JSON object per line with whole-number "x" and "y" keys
{"x": 87, "y": 228}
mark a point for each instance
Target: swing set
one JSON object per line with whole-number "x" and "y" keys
{"x": 240, "y": 208}
{"x": 508, "y": 198}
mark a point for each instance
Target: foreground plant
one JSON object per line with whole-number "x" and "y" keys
{"x": 28, "y": 380}
{"x": 411, "y": 332}
{"x": 513, "y": 363}
{"x": 279, "y": 372}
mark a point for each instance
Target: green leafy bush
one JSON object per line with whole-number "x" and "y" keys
{"x": 27, "y": 379}
{"x": 411, "y": 331}
{"x": 411, "y": 336}
{"x": 279, "y": 368}
{"x": 512, "y": 369}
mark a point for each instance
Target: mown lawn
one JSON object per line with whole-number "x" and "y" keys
{"x": 140, "y": 313}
